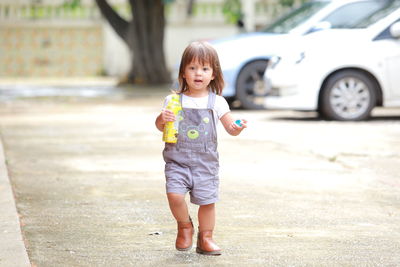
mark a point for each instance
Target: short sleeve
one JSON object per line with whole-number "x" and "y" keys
{"x": 166, "y": 100}
{"x": 221, "y": 106}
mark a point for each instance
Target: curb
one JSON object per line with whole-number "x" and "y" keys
{"x": 12, "y": 247}
{"x": 68, "y": 81}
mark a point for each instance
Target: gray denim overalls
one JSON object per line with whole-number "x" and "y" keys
{"x": 191, "y": 164}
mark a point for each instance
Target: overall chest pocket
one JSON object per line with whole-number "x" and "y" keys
{"x": 197, "y": 126}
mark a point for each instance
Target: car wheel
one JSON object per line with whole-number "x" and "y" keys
{"x": 250, "y": 85}
{"x": 348, "y": 96}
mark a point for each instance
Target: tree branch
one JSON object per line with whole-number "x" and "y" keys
{"x": 119, "y": 24}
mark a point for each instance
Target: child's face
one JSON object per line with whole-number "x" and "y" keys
{"x": 198, "y": 76}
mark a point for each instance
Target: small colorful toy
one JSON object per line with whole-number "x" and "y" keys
{"x": 239, "y": 123}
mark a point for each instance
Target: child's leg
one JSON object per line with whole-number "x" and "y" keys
{"x": 178, "y": 207}
{"x": 206, "y": 216}
{"x": 205, "y": 242}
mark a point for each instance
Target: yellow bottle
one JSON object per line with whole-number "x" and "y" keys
{"x": 170, "y": 134}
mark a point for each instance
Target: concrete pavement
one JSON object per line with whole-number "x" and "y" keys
{"x": 12, "y": 245}
{"x": 295, "y": 191}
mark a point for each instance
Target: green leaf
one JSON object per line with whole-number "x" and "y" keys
{"x": 72, "y": 4}
{"x": 232, "y": 10}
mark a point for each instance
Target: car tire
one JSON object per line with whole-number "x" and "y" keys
{"x": 250, "y": 85}
{"x": 348, "y": 95}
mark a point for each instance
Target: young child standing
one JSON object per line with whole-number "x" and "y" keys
{"x": 191, "y": 164}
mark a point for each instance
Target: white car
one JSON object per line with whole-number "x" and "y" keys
{"x": 244, "y": 57}
{"x": 343, "y": 74}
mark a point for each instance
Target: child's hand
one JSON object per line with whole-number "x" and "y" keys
{"x": 232, "y": 126}
{"x": 167, "y": 115}
{"x": 239, "y": 125}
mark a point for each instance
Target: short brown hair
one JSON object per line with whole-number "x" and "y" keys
{"x": 203, "y": 52}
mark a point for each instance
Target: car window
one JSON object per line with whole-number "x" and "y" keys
{"x": 386, "y": 10}
{"x": 350, "y": 15}
{"x": 295, "y": 17}
{"x": 385, "y": 34}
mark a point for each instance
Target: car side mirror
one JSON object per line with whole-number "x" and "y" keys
{"x": 395, "y": 30}
{"x": 322, "y": 25}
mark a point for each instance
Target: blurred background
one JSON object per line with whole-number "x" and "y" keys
{"x": 69, "y": 39}
{"x": 81, "y": 82}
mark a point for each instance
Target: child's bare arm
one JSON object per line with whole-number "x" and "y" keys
{"x": 165, "y": 116}
{"x": 230, "y": 126}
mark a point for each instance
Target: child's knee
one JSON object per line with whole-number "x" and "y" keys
{"x": 176, "y": 199}
{"x": 208, "y": 206}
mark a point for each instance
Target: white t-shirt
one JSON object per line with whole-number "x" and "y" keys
{"x": 221, "y": 107}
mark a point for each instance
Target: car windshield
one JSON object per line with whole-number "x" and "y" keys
{"x": 388, "y": 8}
{"x": 350, "y": 15}
{"x": 295, "y": 17}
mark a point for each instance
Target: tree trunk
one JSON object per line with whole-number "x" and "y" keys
{"x": 144, "y": 35}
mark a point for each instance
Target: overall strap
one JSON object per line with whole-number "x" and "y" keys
{"x": 211, "y": 100}
{"x": 180, "y": 98}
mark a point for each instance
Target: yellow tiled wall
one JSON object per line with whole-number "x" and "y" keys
{"x": 50, "y": 51}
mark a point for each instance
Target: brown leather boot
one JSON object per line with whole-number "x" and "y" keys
{"x": 185, "y": 235}
{"x": 206, "y": 245}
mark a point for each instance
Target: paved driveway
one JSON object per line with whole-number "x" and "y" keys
{"x": 295, "y": 190}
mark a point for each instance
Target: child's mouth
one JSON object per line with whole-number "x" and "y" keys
{"x": 198, "y": 81}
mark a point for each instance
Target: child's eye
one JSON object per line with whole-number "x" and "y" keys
{"x": 206, "y": 69}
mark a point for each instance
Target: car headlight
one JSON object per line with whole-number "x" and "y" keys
{"x": 299, "y": 58}
{"x": 286, "y": 59}
{"x": 273, "y": 61}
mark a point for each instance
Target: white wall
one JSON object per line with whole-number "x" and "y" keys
{"x": 116, "y": 53}
{"x": 178, "y": 37}
{"x": 117, "y": 59}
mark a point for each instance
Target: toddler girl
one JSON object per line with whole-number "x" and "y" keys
{"x": 191, "y": 164}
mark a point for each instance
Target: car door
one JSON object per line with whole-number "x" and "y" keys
{"x": 393, "y": 70}
{"x": 392, "y": 62}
